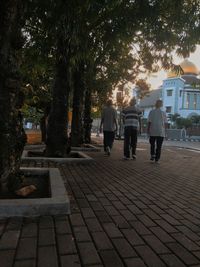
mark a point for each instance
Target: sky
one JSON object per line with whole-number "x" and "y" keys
{"x": 156, "y": 79}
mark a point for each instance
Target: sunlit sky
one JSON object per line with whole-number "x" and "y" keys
{"x": 156, "y": 79}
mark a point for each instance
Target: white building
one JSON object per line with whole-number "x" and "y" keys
{"x": 180, "y": 94}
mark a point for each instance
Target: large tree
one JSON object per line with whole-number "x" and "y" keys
{"x": 12, "y": 136}
{"x": 50, "y": 29}
{"x": 57, "y": 139}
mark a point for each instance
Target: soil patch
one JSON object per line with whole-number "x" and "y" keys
{"x": 42, "y": 154}
{"x": 41, "y": 182}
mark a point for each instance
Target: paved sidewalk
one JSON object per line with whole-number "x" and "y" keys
{"x": 124, "y": 213}
{"x": 180, "y": 144}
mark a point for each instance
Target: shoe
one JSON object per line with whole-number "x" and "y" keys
{"x": 134, "y": 156}
{"x": 125, "y": 158}
{"x": 108, "y": 150}
{"x": 152, "y": 157}
{"x": 157, "y": 162}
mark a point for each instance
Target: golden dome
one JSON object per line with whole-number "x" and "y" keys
{"x": 188, "y": 68}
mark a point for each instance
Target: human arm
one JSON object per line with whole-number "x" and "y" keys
{"x": 140, "y": 125}
{"x": 149, "y": 124}
{"x": 148, "y": 127}
{"x": 165, "y": 123}
{"x": 140, "y": 121}
{"x": 122, "y": 115}
{"x": 116, "y": 126}
{"x": 100, "y": 127}
{"x": 102, "y": 121}
{"x": 115, "y": 121}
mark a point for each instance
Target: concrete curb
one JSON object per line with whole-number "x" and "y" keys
{"x": 57, "y": 204}
{"x": 88, "y": 147}
{"x": 184, "y": 140}
{"x": 83, "y": 158}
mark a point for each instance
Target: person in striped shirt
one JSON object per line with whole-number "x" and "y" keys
{"x": 132, "y": 125}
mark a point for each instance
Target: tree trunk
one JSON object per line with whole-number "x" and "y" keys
{"x": 57, "y": 139}
{"x": 43, "y": 128}
{"x": 12, "y": 135}
{"x": 77, "y": 114}
{"x": 43, "y": 124}
{"x": 87, "y": 117}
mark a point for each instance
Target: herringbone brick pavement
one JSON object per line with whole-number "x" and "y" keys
{"x": 123, "y": 213}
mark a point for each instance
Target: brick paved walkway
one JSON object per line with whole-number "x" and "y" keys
{"x": 124, "y": 213}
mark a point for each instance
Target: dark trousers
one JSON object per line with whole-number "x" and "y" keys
{"x": 156, "y": 145}
{"x": 130, "y": 140}
{"x": 108, "y": 139}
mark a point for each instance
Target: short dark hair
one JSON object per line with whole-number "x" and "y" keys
{"x": 132, "y": 101}
{"x": 159, "y": 103}
{"x": 109, "y": 102}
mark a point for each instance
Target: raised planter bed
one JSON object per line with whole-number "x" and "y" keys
{"x": 33, "y": 136}
{"x": 56, "y": 203}
{"x": 74, "y": 157}
{"x": 86, "y": 147}
{"x": 38, "y": 147}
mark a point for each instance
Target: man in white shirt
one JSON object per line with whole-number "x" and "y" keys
{"x": 109, "y": 122}
{"x": 157, "y": 122}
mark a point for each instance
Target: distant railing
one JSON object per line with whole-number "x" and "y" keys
{"x": 176, "y": 134}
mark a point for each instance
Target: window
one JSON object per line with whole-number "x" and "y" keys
{"x": 169, "y": 92}
{"x": 195, "y": 101}
{"x": 119, "y": 96}
{"x": 188, "y": 101}
{"x": 168, "y": 109}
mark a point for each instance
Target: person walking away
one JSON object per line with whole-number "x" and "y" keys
{"x": 109, "y": 122}
{"x": 132, "y": 125}
{"x": 157, "y": 122}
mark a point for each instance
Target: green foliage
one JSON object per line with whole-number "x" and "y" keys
{"x": 31, "y": 114}
{"x": 143, "y": 88}
{"x": 183, "y": 123}
{"x": 174, "y": 117}
{"x": 195, "y": 119}
{"x": 116, "y": 39}
{"x": 96, "y": 114}
{"x": 180, "y": 122}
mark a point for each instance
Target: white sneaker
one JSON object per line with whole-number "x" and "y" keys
{"x": 134, "y": 156}
{"x": 152, "y": 157}
{"x": 125, "y": 158}
{"x": 108, "y": 150}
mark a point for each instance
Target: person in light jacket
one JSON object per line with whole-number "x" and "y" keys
{"x": 109, "y": 122}
{"x": 157, "y": 121}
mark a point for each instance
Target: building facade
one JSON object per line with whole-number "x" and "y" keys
{"x": 180, "y": 93}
